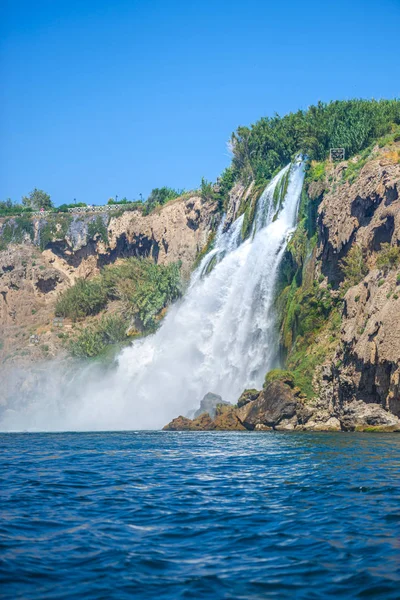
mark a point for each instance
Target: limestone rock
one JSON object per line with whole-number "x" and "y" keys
{"x": 203, "y": 423}
{"x": 274, "y": 404}
{"x": 179, "y": 424}
{"x": 226, "y": 419}
{"x": 361, "y": 416}
{"x": 247, "y": 396}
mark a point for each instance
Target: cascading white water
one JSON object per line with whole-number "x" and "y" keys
{"x": 219, "y": 338}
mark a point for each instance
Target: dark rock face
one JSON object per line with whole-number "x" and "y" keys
{"x": 247, "y": 396}
{"x": 275, "y": 404}
{"x": 209, "y": 405}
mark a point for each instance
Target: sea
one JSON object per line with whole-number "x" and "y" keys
{"x": 180, "y": 515}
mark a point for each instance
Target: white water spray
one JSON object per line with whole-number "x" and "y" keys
{"x": 219, "y": 338}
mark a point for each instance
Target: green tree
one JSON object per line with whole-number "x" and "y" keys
{"x": 37, "y": 199}
{"x": 160, "y": 196}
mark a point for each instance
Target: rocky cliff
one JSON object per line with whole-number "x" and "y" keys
{"x": 41, "y": 257}
{"x": 360, "y": 221}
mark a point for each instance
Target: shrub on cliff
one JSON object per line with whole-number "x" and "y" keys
{"x": 159, "y": 197}
{"x": 15, "y": 230}
{"x": 144, "y": 288}
{"x": 92, "y": 340}
{"x": 354, "y": 267}
{"x": 86, "y": 297}
{"x": 97, "y": 228}
{"x": 388, "y": 257}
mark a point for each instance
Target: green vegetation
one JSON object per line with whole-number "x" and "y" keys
{"x": 309, "y": 314}
{"x": 388, "y": 257}
{"x": 159, "y": 197}
{"x": 316, "y": 171}
{"x": 280, "y": 193}
{"x": 248, "y": 217}
{"x": 143, "y": 289}
{"x": 92, "y": 340}
{"x": 97, "y": 228}
{"x": 85, "y": 297}
{"x": 209, "y": 245}
{"x": 14, "y": 230}
{"x": 53, "y": 228}
{"x": 37, "y": 199}
{"x": 279, "y": 375}
{"x": 354, "y": 267}
{"x": 8, "y": 208}
{"x": 263, "y": 148}
{"x": 218, "y": 192}
{"x": 248, "y": 209}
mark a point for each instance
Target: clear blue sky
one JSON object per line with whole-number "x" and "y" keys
{"x": 102, "y": 97}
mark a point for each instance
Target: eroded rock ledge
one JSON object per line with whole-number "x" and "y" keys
{"x": 279, "y": 407}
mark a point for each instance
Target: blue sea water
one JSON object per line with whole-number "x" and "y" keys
{"x": 199, "y": 515}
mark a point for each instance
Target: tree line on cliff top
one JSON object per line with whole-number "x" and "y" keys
{"x": 39, "y": 200}
{"x": 266, "y": 146}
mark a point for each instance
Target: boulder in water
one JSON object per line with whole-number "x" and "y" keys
{"x": 275, "y": 404}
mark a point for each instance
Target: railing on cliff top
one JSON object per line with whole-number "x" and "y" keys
{"x": 85, "y": 209}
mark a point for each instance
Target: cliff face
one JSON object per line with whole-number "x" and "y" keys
{"x": 349, "y": 350}
{"x": 366, "y": 215}
{"x": 174, "y": 232}
{"x": 46, "y": 255}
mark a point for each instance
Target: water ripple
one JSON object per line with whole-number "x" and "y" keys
{"x": 199, "y": 515}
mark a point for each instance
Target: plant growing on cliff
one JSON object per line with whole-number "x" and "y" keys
{"x": 279, "y": 375}
{"x": 205, "y": 250}
{"x": 85, "y": 297}
{"x": 144, "y": 288}
{"x": 54, "y": 227}
{"x": 14, "y": 230}
{"x": 354, "y": 267}
{"x": 388, "y": 257}
{"x": 159, "y": 197}
{"x": 97, "y": 229}
{"x": 92, "y": 340}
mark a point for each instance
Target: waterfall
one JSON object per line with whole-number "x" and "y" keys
{"x": 220, "y": 337}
